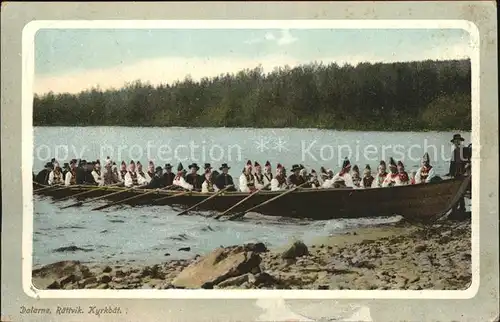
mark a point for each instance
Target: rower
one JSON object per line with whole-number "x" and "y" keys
{"x": 328, "y": 181}
{"x": 304, "y": 175}
{"x": 392, "y": 178}
{"x": 179, "y": 180}
{"x": 207, "y": 185}
{"x": 132, "y": 178}
{"x": 295, "y": 179}
{"x": 224, "y": 179}
{"x": 65, "y": 169}
{"x": 146, "y": 178}
{"x": 43, "y": 176}
{"x": 314, "y": 180}
{"x": 368, "y": 179}
{"x": 356, "y": 177}
{"x": 213, "y": 173}
{"x": 110, "y": 173}
{"x": 56, "y": 176}
{"x": 343, "y": 178}
{"x": 70, "y": 178}
{"x": 380, "y": 176}
{"x": 247, "y": 180}
{"x": 157, "y": 181}
{"x": 168, "y": 175}
{"x": 426, "y": 172}
{"x": 403, "y": 177}
{"x": 97, "y": 175}
{"x": 151, "y": 169}
{"x": 259, "y": 176}
{"x": 123, "y": 171}
{"x": 279, "y": 181}
{"x": 268, "y": 174}
{"x": 194, "y": 178}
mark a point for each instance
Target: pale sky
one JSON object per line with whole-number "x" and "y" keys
{"x": 72, "y": 60}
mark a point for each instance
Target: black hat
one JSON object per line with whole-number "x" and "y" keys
{"x": 194, "y": 165}
{"x": 207, "y": 166}
{"x": 180, "y": 167}
{"x": 168, "y": 166}
{"x": 295, "y": 167}
{"x": 355, "y": 168}
{"x": 83, "y": 162}
{"x": 346, "y": 163}
{"x": 66, "y": 165}
{"x": 382, "y": 162}
{"x": 48, "y": 165}
{"x": 457, "y": 137}
{"x": 256, "y": 164}
{"x": 224, "y": 166}
{"x": 400, "y": 164}
{"x": 158, "y": 169}
{"x": 301, "y": 166}
{"x": 73, "y": 161}
{"x": 53, "y": 160}
{"x": 392, "y": 163}
{"x": 426, "y": 158}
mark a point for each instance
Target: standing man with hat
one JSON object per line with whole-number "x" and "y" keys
{"x": 168, "y": 175}
{"x": 224, "y": 179}
{"x": 459, "y": 164}
{"x": 194, "y": 178}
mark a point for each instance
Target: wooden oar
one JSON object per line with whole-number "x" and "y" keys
{"x": 79, "y": 203}
{"x": 243, "y": 213}
{"x": 241, "y": 201}
{"x": 127, "y": 199}
{"x": 172, "y": 196}
{"x": 86, "y": 192}
{"x": 204, "y": 200}
{"x": 44, "y": 188}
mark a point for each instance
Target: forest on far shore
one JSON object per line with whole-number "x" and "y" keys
{"x": 406, "y": 96}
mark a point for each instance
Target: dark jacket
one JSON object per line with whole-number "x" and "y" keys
{"x": 196, "y": 180}
{"x": 224, "y": 180}
{"x": 296, "y": 180}
{"x": 460, "y": 158}
{"x": 168, "y": 179}
{"x": 156, "y": 183}
{"x": 43, "y": 177}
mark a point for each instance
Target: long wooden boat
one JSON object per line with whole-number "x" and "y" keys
{"x": 421, "y": 201}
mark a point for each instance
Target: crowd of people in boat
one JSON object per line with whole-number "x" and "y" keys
{"x": 253, "y": 176}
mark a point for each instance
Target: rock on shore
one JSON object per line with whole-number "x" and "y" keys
{"x": 437, "y": 257}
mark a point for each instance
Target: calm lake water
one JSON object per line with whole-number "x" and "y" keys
{"x": 148, "y": 233}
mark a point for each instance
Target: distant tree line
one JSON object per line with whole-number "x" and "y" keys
{"x": 412, "y": 96}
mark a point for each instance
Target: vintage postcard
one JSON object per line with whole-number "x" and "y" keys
{"x": 245, "y": 159}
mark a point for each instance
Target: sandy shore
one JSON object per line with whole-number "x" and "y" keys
{"x": 400, "y": 256}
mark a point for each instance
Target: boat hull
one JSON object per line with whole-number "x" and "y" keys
{"x": 422, "y": 201}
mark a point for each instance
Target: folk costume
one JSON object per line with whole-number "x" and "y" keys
{"x": 194, "y": 178}
{"x": 151, "y": 169}
{"x": 70, "y": 178}
{"x": 356, "y": 177}
{"x": 144, "y": 175}
{"x": 344, "y": 178}
{"x": 247, "y": 179}
{"x": 368, "y": 179}
{"x": 460, "y": 157}
{"x": 259, "y": 176}
{"x": 392, "y": 178}
{"x": 426, "y": 172}
{"x": 168, "y": 176}
{"x": 110, "y": 173}
{"x": 207, "y": 185}
{"x": 279, "y": 182}
{"x": 224, "y": 179}
{"x": 179, "y": 178}
{"x": 132, "y": 178}
{"x": 314, "y": 180}
{"x": 295, "y": 179}
{"x": 213, "y": 173}
{"x": 268, "y": 175}
{"x": 403, "y": 177}
{"x": 380, "y": 176}
{"x": 56, "y": 176}
{"x": 123, "y": 171}
{"x": 157, "y": 181}
{"x": 97, "y": 175}
{"x": 328, "y": 181}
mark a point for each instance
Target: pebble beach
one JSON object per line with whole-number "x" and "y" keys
{"x": 398, "y": 256}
